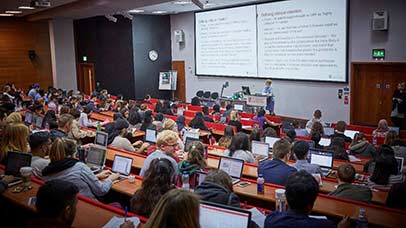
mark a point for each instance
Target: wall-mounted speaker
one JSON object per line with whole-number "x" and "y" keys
{"x": 380, "y": 20}
{"x": 179, "y": 36}
{"x": 32, "y": 54}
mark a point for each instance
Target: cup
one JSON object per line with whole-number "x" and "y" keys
{"x": 131, "y": 179}
{"x": 26, "y": 175}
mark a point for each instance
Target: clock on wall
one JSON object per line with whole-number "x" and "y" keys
{"x": 153, "y": 55}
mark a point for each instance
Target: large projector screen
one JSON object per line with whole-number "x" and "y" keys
{"x": 292, "y": 39}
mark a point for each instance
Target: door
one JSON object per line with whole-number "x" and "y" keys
{"x": 372, "y": 87}
{"x": 86, "y": 80}
{"x": 180, "y": 93}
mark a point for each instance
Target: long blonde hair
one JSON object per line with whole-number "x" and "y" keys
{"x": 177, "y": 208}
{"x": 62, "y": 148}
{"x": 15, "y": 138}
{"x": 14, "y": 118}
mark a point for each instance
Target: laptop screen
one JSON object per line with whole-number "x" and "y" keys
{"x": 188, "y": 142}
{"x": 191, "y": 134}
{"x": 16, "y": 160}
{"x": 271, "y": 141}
{"x": 38, "y": 121}
{"x": 396, "y": 129}
{"x": 122, "y": 165}
{"x": 350, "y": 133}
{"x": 400, "y": 161}
{"x": 101, "y": 138}
{"x": 232, "y": 166}
{"x": 325, "y": 142}
{"x": 150, "y": 136}
{"x": 28, "y": 118}
{"x": 322, "y": 158}
{"x": 220, "y": 216}
{"x": 301, "y": 132}
{"x": 96, "y": 156}
{"x": 260, "y": 148}
{"x": 239, "y": 107}
{"x": 179, "y": 111}
{"x": 328, "y": 131}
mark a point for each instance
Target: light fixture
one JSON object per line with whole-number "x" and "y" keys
{"x": 111, "y": 18}
{"x": 182, "y": 2}
{"x": 126, "y": 15}
{"x": 136, "y": 11}
{"x": 26, "y": 7}
{"x": 6, "y": 14}
{"x": 159, "y": 12}
{"x": 13, "y": 11}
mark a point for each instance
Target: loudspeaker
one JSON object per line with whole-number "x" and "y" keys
{"x": 31, "y": 54}
{"x": 179, "y": 36}
{"x": 380, "y": 20}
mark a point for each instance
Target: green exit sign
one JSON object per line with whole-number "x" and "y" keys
{"x": 378, "y": 53}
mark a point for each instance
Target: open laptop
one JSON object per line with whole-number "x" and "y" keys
{"x": 122, "y": 165}
{"x": 38, "y": 121}
{"x": 179, "y": 111}
{"x": 325, "y": 142}
{"x": 96, "y": 158}
{"x": 28, "y": 118}
{"x": 328, "y": 131}
{"x": 189, "y": 141}
{"x": 396, "y": 129}
{"x": 322, "y": 158}
{"x": 101, "y": 139}
{"x": 400, "y": 162}
{"x": 233, "y": 167}
{"x": 350, "y": 133}
{"x": 260, "y": 148}
{"x": 246, "y": 90}
{"x": 271, "y": 141}
{"x": 214, "y": 215}
{"x": 301, "y": 132}
{"x": 150, "y": 136}
{"x": 14, "y": 162}
{"x": 239, "y": 107}
{"x": 191, "y": 134}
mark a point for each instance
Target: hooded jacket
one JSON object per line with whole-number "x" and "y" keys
{"x": 215, "y": 193}
{"x": 363, "y": 148}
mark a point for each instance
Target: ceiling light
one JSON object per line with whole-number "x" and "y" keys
{"x": 26, "y": 7}
{"x": 6, "y": 14}
{"x": 159, "y": 12}
{"x": 209, "y": 5}
{"x": 136, "y": 11}
{"x": 111, "y": 18}
{"x": 182, "y": 2}
{"x": 13, "y": 11}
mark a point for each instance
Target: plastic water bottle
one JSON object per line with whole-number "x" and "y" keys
{"x": 362, "y": 221}
{"x": 374, "y": 139}
{"x": 280, "y": 200}
{"x": 260, "y": 184}
{"x": 98, "y": 126}
{"x": 185, "y": 181}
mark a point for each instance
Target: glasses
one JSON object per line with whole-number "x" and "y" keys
{"x": 173, "y": 145}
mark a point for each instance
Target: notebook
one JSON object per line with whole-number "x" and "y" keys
{"x": 233, "y": 167}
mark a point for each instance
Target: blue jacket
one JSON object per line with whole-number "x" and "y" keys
{"x": 275, "y": 171}
{"x": 294, "y": 219}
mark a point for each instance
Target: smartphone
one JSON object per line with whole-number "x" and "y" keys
{"x": 243, "y": 184}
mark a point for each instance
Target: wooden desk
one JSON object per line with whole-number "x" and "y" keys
{"x": 100, "y": 117}
{"x": 108, "y": 113}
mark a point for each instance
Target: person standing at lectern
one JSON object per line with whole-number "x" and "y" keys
{"x": 270, "y": 101}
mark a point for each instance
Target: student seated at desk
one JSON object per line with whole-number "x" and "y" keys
{"x": 263, "y": 121}
{"x": 14, "y": 118}
{"x": 382, "y": 129}
{"x": 396, "y": 196}
{"x": 76, "y": 133}
{"x": 337, "y": 145}
{"x": 40, "y": 144}
{"x": 346, "y": 189}
{"x": 167, "y": 144}
{"x": 177, "y": 208}
{"x": 276, "y": 171}
{"x": 157, "y": 181}
{"x": 170, "y": 124}
{"x": 134, "y": 118}
{"x": 227, "y": 112}
{"x": 159, "y": 117}
{"x": 65, "y": 122}
{"x": 198, "y": 122}
{"x": 64, "y": 167}
{"x": 56, "y": 205}
{"x": 147, "y": 122}
{"x": 300, "y": 150}
{"x": 216, "y": 110}
{"x": 14, "y": 139}
{"x": 51, "y": 120}
{"x": 206, "y": 116}
{"x": 109, "y": 127}
{"x": 166, "y": 108}
{"x": 193, "y": 163}
{"x": 119, "y": 140}
{"x": 361, "y": 147}
{"x": 225, "y": 140}
{"x": 240, "y": 148}
{"x": 316, "y": 138}
{"x": 301, "y": 192}
{"x": 316, "y": 119}
{"x": 235, "y": 120}
{"x": 317, "y": 128}
{"x": 339, "y": 131}
{"x": 290, "y": 136}
{"x": 84, "y": 118}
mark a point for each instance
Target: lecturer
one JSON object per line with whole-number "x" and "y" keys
{"x": 270, "y": 101}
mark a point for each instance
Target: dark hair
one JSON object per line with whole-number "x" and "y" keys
{"x": 75, "y": 113}
{"x": 261, "y": 112}
{"x": 255, "y": 135}
{"x": 54, "y": 196}
{"x": 317, "y": 128}
{"x": 239, "y": 141}
{"x": 300, "y": 149}
{"x": 50, "y": 118}
{"x": 346, "y": 173}
{"x": 229, "y": 131}
{"x": 385, "y": 165}
{"x": 341, "y": 126}
{"x": 205, "y": 110}
{"x": 291, "y": 134}
{"x": 216, "y": 108}
{"x": 198, "y": 122}
{"x": 87, "y": 109}
{"x": 38, "y": 139}
{"x": 269, "y": 132}
{"x": 337, "y": 145}
{"x": 134, "y": 116}
{"x": 159, "y": 117}
{"x": 220, "y": 177}
{"x": 301, "y": 190}
{"x": 195, "y": 101}
{"x": 316, "y": 137}
{"x": 180, "y": 122}
{"x": 229, "y": 106}
{"x": 158, "y": 107}
{"x": 157, "y": 181}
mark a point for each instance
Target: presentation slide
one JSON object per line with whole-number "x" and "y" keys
{"x": 226, "y": 42}
{"x": 295, "y": 39}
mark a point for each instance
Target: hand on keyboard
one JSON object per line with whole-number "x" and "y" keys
{"x": 114, "y": 176}
{"x": 103, "y": 174}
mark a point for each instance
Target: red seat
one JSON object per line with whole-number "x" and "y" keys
{"x": 246, "y": 115}
{"x": 187, "y": 113}
{"x": 363, "y": 129}
{"x": 153, "y": 100}
{"x": 194, "y": 108}
{"x": 251, "y": 123}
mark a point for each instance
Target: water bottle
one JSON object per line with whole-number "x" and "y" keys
{"x": 185, "y": 181}
{"x": 362, "y": 221}
{"x": 374, "y": 139}
{"x": 98, "y": 126}
{"x": 260, "y": 184}
{"x": 280, "y": 200}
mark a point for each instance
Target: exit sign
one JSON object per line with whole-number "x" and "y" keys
{"x": 378, "y": 53}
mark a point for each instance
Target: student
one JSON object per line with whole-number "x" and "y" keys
{"x": 33, "y": 91}
{"x": 170, "y": 124}
{"x": 263, "y": 121}
{"x": 84, "y": 118}
{"x": 217, "y": 187}
{"x": 339, "y": 131}
{"x": 317, "y": 128}
{"x": 228, "y": 110}
{"x": 382, "y": 129}
{"x": 385, "y": 172}
{"x": 166, "y": 108}
{"x": 159, "y": 118}
{"x": 301, "y": 193}
{"x": 255, "y": 135}
{"x": 119, "y": 138}
{"x": 109, "y": 127}
{"x": 134, "y": 118}
{"x": 290, "y": 136}
{"x": 337, "y": 145}
{"x": 14, "y": 139}
{"x": 64, "y": 127}
{"x": 268, "y": 132}
{"x": 167, "y": 144}
{"x": 225, "y": 140}
{"x": 206, "y": 117}
{"x": 56, "y": 205}
{"x": 361, "y": 147}
{"x": 195, "y": 101}
{"x": 53, "y": 104}
{"x": 316, "y": 118}
{"x": 277, "y": 170}
{"x": 147, "y": 123}
{"x": 396, "y": 196}
{"x": 316, "y": 138}
{"x": 92, "y": 104}
{"x": 181, "y": 123}
{"x": 40, "y": 144}
{"x": 14, "y": 118}
{"x": 392, "y": 139}
{"x": 239, "y": 148}
{"x": 50, "y": 119}
{"x": 194, "y": 162}
{"x": 346, "y": 190}
{"x": 64, "y": 167}
{"x": 76, "y": 133}
{"x": 235, "y": 120}
{"x": 216, "y": 110}
{"x": 300, "y": 150}
{"x": 198, "y": 122}
{"x": 177, "y": 208}
{"x": 157, "y": 181}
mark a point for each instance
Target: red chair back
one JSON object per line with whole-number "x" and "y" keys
{"x": 194, "y": 108}
{"x": 249, "y": 122}
{"x": 187, "y": 113}
{"x": 246, "y": 115}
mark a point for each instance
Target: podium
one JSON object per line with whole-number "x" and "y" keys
{"x": 250, "y": 103}
{"x": 257, "y": 100}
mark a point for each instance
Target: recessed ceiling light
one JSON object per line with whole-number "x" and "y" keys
{"x": 6, "y": 14}
{"x": 159, "y": 12}
{"x": 136, "y": 11}
{"x": 13, "y": 11}
{"x": 182, "y": 2}
{"x": 26, "y": 7}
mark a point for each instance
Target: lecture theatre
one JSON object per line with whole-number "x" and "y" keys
{"x": 202, "y": 113}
